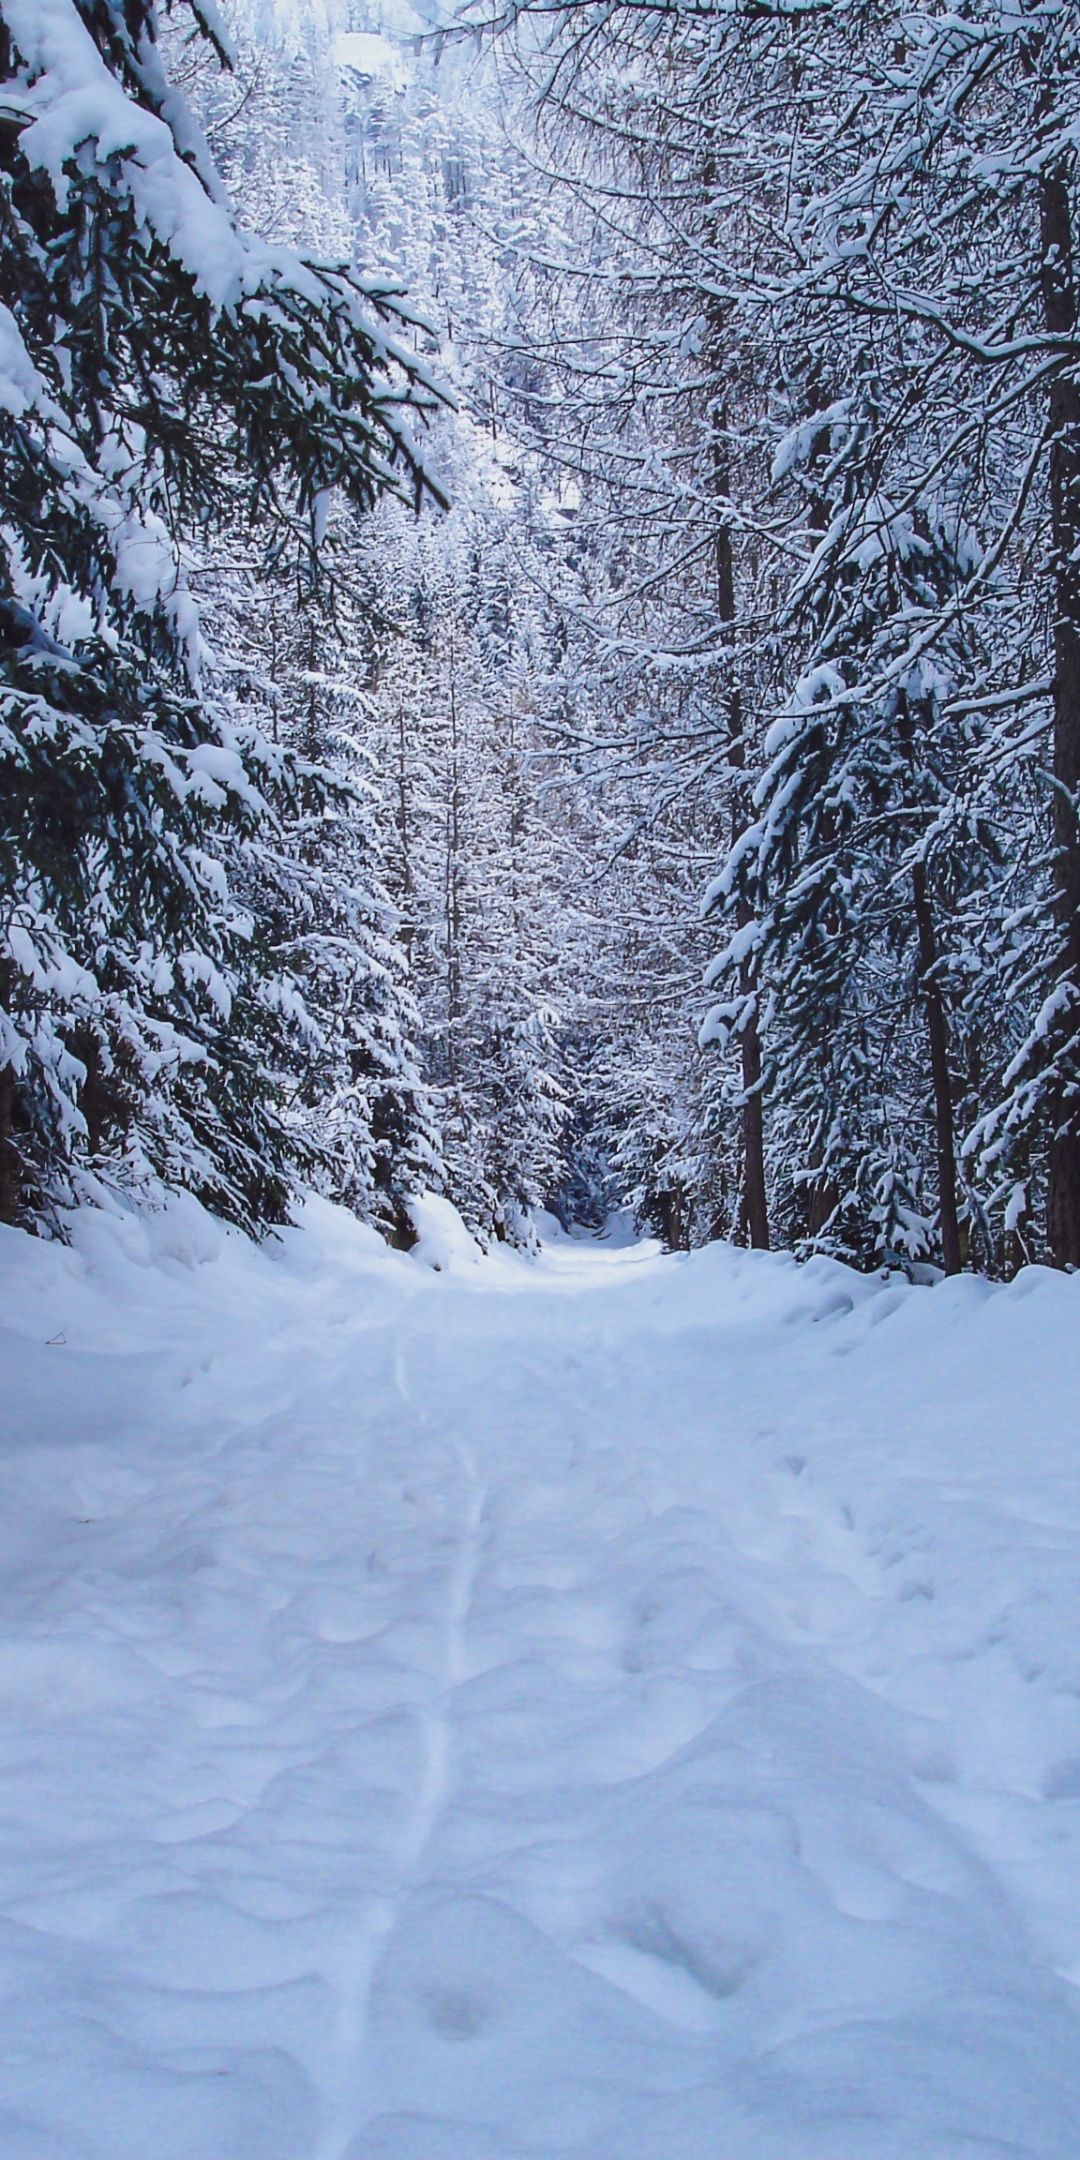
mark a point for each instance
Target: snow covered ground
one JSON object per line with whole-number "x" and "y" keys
{"x": 607, "y": 1707}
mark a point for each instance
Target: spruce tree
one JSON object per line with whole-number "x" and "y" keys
{"x": 854, "y": 877}
{"x": 158, "y": 366}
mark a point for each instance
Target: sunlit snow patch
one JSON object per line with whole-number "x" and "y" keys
{"x": 368, "y": 53}
{"x": 442, "y": 1240}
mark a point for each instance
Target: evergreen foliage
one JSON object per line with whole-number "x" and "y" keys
{"x": 161, "y": 369}
{"x": 822, "y": 398}
{"x": 687, "y": 818}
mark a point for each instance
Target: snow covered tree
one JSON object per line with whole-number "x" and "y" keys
{"x": 159, "y": 366}
{"x": 641, "y": 390}
{"x": 857, "y": 875}
{"x": 291, "y": 652}
{"x": 930, "y": 220}
{"x": 470, "y": 866}
{"x": 853, "y": 194}
{"x": 461, "y": 653}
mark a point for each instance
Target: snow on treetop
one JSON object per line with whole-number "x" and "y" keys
{"x": 72, "y": 105}
{"x": 369, "y": 53}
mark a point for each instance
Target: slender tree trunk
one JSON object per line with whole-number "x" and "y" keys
{"x": 453, "y": 885}
{"x": 672, "y": 1209}
{"x": 408, "y": 897}
{"x": 755, "y": 1204}
{"x": 93, "y": 1094}
{"x": 9, "y": 1160}
{"x": 1060, "y": 314}
{"x": 937, "y": 1029}
{"x": 314, "y": 731}
{"x": 9, "y": 1166}
{"x": 938, "y": 1032}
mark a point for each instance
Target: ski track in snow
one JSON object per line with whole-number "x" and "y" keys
{"x": 436, "y": 1721}
{"x": 605, "y": 1707}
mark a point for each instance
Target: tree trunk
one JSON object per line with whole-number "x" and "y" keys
{"x": 453, "y": 886}
{"x": 937, "y": 1029}
{"x": 755, "y": 1202}
{"x": 1060, "y": 314}
{"x": 672, "y": 1212}
{"x": 9, "y": 1163}
{"x": 10, "y": 1180}
{"x": 407, "y": 895}
{"x": 938, "y": 1032}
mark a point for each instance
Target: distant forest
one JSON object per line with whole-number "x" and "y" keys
{"x": 540, "y": 617}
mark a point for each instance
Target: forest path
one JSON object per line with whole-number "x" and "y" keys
{"x": 607, "y": 1707}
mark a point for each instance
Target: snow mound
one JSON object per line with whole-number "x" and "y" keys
{"x": 442, "y": 1240}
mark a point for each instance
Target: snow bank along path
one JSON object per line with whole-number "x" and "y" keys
{"x": 607, "y": 1707}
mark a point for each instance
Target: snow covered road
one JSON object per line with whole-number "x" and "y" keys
{"x": 609, "y": 1707}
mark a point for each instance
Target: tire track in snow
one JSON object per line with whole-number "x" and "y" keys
{"x": 350, "y": 2109}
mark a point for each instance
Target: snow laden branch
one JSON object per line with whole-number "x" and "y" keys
{"x": 165, "y": 376}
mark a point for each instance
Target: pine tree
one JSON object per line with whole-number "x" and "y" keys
{"x": 461, "y": 667}
{"x": 159, "y": 365}
{"x": 639, "y": 379}
{"x": 470, "y": 868}
{"x": 858, "y": 870}
{"x": 858, "y": 194}
{"x": 291, "y": 655}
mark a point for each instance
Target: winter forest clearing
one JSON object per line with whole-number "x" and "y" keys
{"x": 605, "y": 1705}
{"x": 539, "y": 1079}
